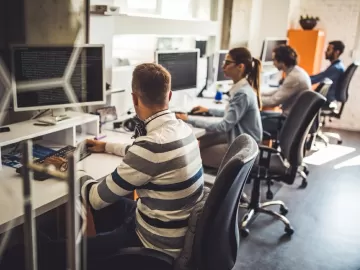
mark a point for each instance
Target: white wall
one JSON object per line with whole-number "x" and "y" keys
{"x": 340, "y": 20}
{"x": 254, "y": 20}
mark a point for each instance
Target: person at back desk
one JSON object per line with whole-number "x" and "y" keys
{"x": 242, "y": 114}
{"x": 163, "y": 165}
{"x": 296, "y": 81}
{"x": 334, "y": 71}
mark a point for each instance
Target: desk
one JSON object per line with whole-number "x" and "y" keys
{"x": 52, "y": 193}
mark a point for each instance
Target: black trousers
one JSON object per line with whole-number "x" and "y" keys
{"x": 270, "y": 125}
{"x": 115, "y": 229}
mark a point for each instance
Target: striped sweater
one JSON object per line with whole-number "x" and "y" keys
{"x": 165, "y": 169}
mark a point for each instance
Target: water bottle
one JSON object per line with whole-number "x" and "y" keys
{"x": 219, "y": 94}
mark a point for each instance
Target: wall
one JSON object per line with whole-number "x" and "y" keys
{"x": 240, "y": 30}
{"x": 340, "y": 20}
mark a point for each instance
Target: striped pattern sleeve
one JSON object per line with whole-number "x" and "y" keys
{"x": 134, "y": 171}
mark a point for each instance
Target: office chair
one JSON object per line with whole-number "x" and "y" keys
{"x": 342, "y": 96}
{"x": 283, "y": 164}
{"x": 216, "y": 240}
{"x": 315, "y": 132}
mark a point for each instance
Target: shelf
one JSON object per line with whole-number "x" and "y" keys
{"x": 144, "y": 25}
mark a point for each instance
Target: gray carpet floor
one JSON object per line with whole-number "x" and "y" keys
{"x": 325, "y": 216}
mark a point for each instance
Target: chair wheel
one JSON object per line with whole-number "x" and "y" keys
{"x": 289, "y": 230}
{"x": 283, "y": 210}
{"x": 339, "y": 142}
{"x": 306, "y": 171}
{"x": 269, "y": 195}
{"x": 304, "y": 183}
{"x": 244, "y": 232}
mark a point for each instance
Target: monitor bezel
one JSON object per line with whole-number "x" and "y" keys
{"x": 57, "y": 106}
{"x": 266, "y": 42}
{"x": 197, "y": 51}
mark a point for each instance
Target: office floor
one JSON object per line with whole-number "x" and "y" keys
{"x": 325, "y": 216}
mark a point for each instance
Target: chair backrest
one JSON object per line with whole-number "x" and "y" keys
{"x": 216, "y": 242}
{"x": 297, "y": 124}
{"x": 342, "y": 90}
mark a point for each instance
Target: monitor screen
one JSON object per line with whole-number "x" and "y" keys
{"x": 269, "y": 46}
{"x": 40, "y": 74}
{"x": 182, "y": 67}
{"x": 220, "y": 72}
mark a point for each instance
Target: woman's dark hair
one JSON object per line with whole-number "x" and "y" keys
{"x": 252, "y": 68}
{"x": 287, "y": 55}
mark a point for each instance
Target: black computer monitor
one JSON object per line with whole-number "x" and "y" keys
{"x": 182, "y": 65}
{"x": 55, "y": 77}
{"x": 268, "y": 47}
{"x": 201, "y": 45}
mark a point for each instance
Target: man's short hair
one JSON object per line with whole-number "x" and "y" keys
{"x": 152, "y": 83}
{"x": 287, "y": 55}
{"x": 338, "y": 46}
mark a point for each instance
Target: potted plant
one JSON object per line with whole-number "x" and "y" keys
{"x": 308, "y": 22}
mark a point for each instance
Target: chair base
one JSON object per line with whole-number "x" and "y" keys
{"x": 252, "y": 212}
{"x": 325, "y": 137}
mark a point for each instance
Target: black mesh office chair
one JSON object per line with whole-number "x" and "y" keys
{"x": 283, "y": 164}
{"x": 342, "y": 96}
{"x": 216, "y": 241}
{"x": 315, "y": 132}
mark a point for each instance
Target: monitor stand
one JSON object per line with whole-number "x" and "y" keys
{"x": 57, "y": 115}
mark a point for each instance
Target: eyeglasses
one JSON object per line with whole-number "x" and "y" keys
{"x": 228, "y": 62}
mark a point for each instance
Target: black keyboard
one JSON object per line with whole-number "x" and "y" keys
{"x": 63, "y": 153}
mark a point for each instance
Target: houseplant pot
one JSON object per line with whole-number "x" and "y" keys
{"x": 308, "y": 23}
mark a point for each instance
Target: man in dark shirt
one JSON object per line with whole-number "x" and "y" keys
{"x": 334, "y": 71}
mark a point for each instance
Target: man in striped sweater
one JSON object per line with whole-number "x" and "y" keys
{"x": 163, "y": 165}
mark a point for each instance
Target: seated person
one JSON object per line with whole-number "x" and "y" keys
{"x": 163, "y": 165}
{"x": 296, "y": 80}
{"x": 242, "y": 114}
{"x": 334, "y": 71}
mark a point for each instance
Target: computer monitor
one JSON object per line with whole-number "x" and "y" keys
{"x": 183, "y": 67}
{"x": 56, "y": 77}
{"x": 269, "y": 45}
{"x": 220, "y": 76}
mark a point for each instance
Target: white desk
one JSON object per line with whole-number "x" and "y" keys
{"x": 51, "y": 193}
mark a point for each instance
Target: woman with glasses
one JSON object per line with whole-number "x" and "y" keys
{"x": 242, "y": 114}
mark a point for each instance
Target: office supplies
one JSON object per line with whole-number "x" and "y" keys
{"x": 72, "y": 77}
{"x": 62, "y": 153}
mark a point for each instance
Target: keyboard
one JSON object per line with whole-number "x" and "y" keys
{"x": 63, "y": 153}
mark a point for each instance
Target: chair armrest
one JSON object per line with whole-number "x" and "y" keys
{"x": 266, "y": 135}
{"x": 140, "y": 258}
{"x": 279, "y": 117}
{"x": 265, "y": 155}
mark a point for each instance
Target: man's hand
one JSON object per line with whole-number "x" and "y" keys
{"x": 199, "y": 110}
{"x": 95, "y": 146}
{"x": 182, "y": 116}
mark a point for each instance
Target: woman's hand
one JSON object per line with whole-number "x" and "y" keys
{"x": 199, "y": 110}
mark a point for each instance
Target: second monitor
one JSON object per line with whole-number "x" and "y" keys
{"x": 56, "y": 77}
{"x": 183, "y": 67}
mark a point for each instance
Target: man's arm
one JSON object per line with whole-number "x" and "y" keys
{"x": 134, "y": 171}
{"x": 285, "y": 91}
{"x": 331, "y": 72}
{"x": 118, "y": 149}
{"x": 237, "y": 107}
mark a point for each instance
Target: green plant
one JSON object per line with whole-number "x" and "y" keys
{"x": 307, "y": 17}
